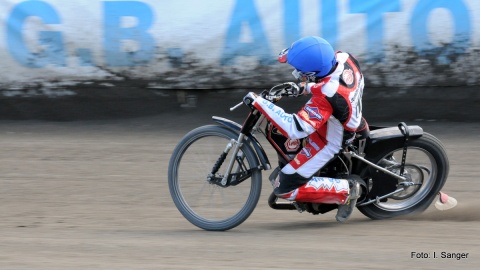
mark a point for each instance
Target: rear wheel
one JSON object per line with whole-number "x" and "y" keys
{"x": 200, "y": 196}
{"x": 426, "y": 170}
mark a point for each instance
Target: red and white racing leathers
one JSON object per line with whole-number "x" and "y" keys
{"x": 329, "y": 119}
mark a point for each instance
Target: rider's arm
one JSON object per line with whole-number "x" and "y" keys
{"x": 314, "y": 88}
{"x": 295, "y": 126}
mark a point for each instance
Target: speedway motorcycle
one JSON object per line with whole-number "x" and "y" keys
{"x": 215, "y": 171}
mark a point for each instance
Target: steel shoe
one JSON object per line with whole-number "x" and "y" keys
{"x": 345, "y": 210}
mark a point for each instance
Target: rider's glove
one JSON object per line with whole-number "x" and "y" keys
{"x": 303, "y": 88}
{"x": 294, "y": 90}
{"x": 249, "y": 99}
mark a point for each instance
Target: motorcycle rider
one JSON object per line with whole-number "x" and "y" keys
{"x": 330, "y": 121}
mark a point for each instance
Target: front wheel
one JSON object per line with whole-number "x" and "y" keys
{"x": 426, "y": 169}
{"x": 198, "y": 194}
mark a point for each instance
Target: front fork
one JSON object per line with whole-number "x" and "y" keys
{"x": 251, "y": 124}
{"x": 236, "y": 147}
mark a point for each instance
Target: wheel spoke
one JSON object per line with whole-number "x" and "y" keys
{"x": 419, "y": 183}
{"x": 206, "y": 203}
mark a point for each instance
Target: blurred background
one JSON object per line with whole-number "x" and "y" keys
{"x": 95, "y": 95}
{"x": 91, "y": 59}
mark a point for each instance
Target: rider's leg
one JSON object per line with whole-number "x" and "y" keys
{"x": 296, "y": 182}
{"x": 314, "y": 190}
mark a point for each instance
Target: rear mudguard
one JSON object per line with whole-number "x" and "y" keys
{"x": 261, "y": 155}
{"x": 390, "y": 137}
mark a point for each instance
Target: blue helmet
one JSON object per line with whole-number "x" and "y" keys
{"x": 310, "y": 55}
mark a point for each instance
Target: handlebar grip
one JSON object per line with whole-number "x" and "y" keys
{"x": 236, "y": 106}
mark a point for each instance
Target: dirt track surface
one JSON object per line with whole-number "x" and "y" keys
{"x": 94, "y": 195}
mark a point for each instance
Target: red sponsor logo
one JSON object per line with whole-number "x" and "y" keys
{"x": 347, "y": 76}
{"x": 313, "y": 112}
{"x": 292, "y": 145}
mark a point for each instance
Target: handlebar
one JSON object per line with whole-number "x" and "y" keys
{"x": 284, "y": 90}
{"x": 236, "y": 106}
{"x": 276, "y": 93}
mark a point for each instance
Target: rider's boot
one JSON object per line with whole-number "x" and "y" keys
{"x": 318, "y": 190}
{"x": 345, "y": 210}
